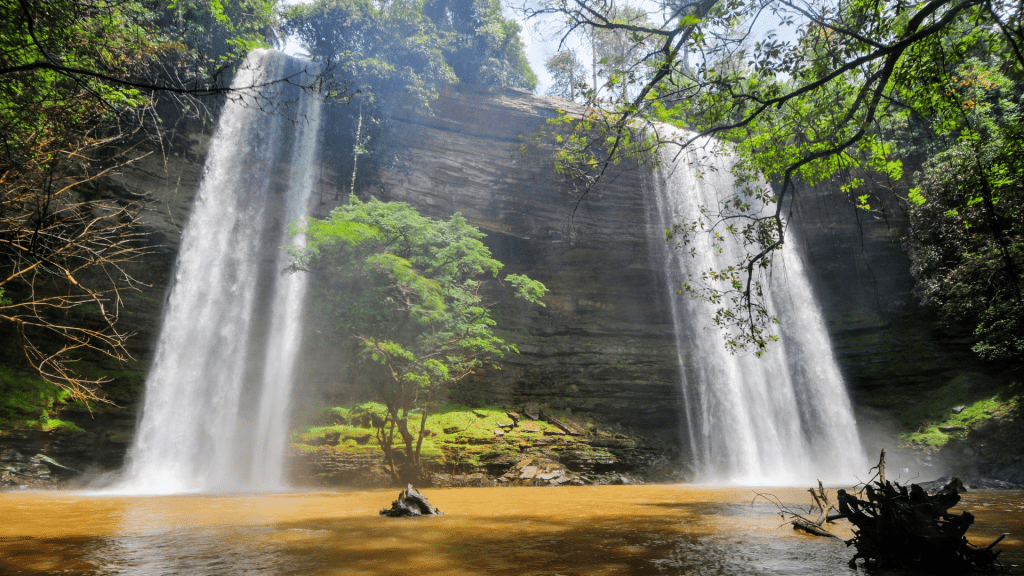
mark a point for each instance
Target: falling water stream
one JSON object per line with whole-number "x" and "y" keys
{"x": 781, "y": 419}
{"x": 216, "y": 404}
{"x": 216, "y": 409}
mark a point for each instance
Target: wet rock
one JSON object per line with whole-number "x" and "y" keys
{"x": 551, "y": 475}
{"x": 12, "y": 455}
{"x": 945, "y": 484}
{"x": 958, "y": 409}
{"x": 472, "y": 480}
{"x": 994, "y": 484}
{"x": 532, "y": 410}
{"x": 566, "y": 426}
{"x": 529, "y": 472}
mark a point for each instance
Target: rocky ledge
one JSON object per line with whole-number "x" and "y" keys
{"x": 553, "y": 450}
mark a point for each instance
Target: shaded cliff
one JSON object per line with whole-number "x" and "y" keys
{"x": 604, "y": 343}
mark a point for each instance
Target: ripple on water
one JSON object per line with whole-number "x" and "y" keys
{"x": 592, "y": 531}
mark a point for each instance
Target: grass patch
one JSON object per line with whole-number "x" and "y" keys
{"x": 981, "y": 403}
{"x": 471, "y": 429}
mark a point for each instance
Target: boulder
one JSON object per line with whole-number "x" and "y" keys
{"x": 945, "y": 484}
{"x": 532, "y": 410}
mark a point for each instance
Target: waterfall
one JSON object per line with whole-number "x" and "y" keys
{"x": 215, "y": 416}
{"x": 783, "y": 418}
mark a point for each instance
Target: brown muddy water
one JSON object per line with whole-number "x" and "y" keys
{"x": 591, "y": 531}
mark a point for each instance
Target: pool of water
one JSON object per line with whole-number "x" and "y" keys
{"x": 593, "y": 531}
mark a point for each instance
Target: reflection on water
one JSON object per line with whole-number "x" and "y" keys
{"x": 602, "y": 530}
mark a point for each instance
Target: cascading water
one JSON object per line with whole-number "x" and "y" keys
{"x": 216, "y": 407}
{"x": 783, "y": 418}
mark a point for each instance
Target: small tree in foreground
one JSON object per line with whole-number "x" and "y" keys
{"x": 406, "y": 290}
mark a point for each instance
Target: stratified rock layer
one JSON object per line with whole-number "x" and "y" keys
{"x": 603, "y": 343}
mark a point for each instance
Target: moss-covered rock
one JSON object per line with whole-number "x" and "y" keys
{"x": 480, "y": 446}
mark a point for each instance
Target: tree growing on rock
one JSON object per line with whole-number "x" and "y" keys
{"x": 405, "y": 290}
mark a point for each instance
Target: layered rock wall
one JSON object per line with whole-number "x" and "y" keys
{"x": 603, "y": 342}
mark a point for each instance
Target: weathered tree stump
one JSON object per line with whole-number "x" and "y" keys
{"x": 897, "y": 526}
{"x": 411, "y": 502}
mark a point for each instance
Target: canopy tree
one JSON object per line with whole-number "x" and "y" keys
{"x": 568, "y": 75}
{"x": 830, "y": 102}
{"x": 400, "y": 51}
{"x": 405, "y": 290}
{"x": 413, "y": 46}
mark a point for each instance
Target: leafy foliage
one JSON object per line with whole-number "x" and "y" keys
{"x": 80, "y": 81}
{"x": 832, "y": 102}
{"x": 967, "y": 215}
{"x": 412, "y": 46}
{"x": 406, "y": 289}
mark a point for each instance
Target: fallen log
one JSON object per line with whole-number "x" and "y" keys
{"x": 805, "y": 526}
{"x": 411, "y": 502}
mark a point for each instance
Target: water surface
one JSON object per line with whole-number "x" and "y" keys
{"x": 592, "y": 531}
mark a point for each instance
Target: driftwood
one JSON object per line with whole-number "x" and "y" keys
{"x": 804, "y": 523}
{"x": 897, "y": 526}
{"x": 411, "y": 502}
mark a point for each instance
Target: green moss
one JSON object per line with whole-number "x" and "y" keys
{"x": 472, "y": 429}
{"x": 981, "y": 403}
{"x": 25, "y": 400}
{"x": 320, "y": 431}
{"x": 53, "y": 424}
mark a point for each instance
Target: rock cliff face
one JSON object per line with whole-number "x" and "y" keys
{"x": 604, "y": 342}
{"x": 891, "y": 350}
